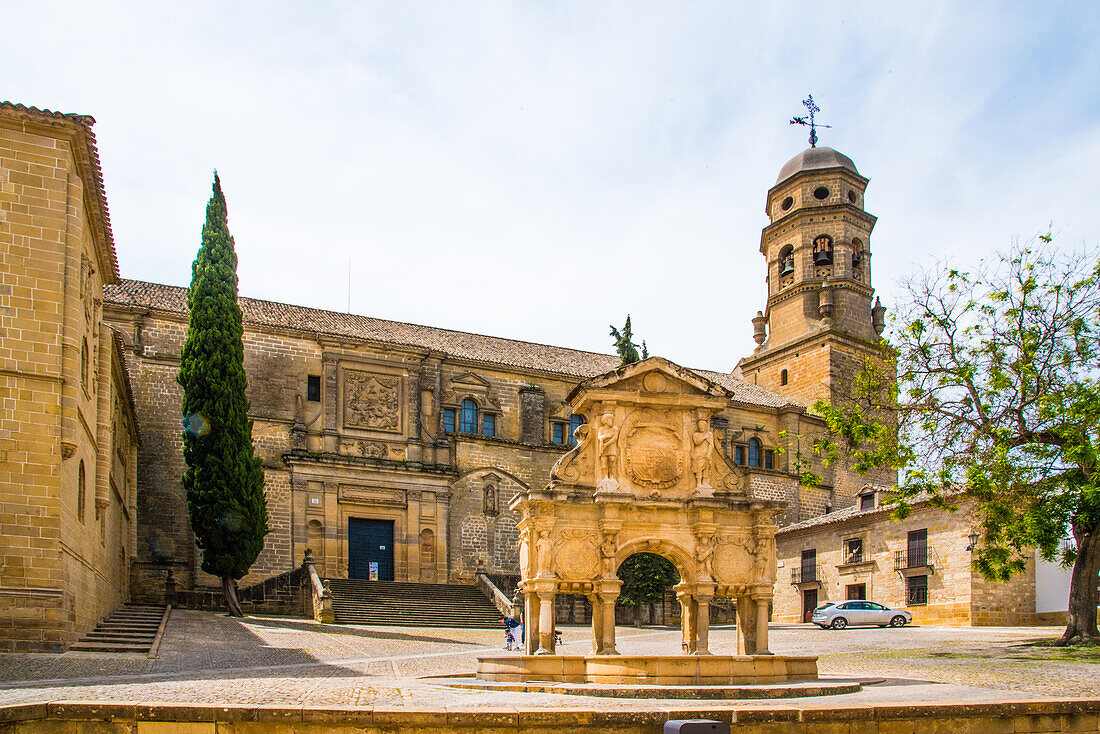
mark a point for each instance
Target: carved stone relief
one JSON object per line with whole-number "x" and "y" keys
{"x": 372, "y": 401}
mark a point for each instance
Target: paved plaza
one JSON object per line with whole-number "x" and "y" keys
{"x": 207, "y": 658}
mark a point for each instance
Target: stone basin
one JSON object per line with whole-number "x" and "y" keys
{"x": 665, "y": 670}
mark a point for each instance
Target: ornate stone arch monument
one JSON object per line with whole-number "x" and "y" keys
{"x": 647, "y": 476}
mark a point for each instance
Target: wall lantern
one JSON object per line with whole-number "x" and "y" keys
{"x": 973, "y": 538}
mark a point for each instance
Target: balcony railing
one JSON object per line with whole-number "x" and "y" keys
{"x": 914, "y": 557}
{"x": 803, "y": 574}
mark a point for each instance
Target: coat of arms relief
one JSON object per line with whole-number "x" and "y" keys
{"x": 372, "y": 401}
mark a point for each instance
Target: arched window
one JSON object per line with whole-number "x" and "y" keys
{"x": 786, "y": 260}
{"x": 823, "y": 250}
{"x": 783, "y": 377}
{"x": 575, "y": 422}
{"x": 468, "y": 420}
{"x": 81, "y": 480}
{"x": 755, "y": 452}
{"x": 84, "y": 365}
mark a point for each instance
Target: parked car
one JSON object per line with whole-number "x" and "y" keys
{"x": 856, "y": 611}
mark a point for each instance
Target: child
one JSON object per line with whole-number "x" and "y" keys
{"x": 509, "y": 635}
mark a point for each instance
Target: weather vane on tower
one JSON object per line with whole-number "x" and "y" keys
{"x": 809, "y": 120}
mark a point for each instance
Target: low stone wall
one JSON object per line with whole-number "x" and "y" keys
{"x": 93, "y": 718}
{"x": 287, "y": 595}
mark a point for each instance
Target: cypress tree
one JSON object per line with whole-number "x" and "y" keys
{"x": 625, "y": 346}
{"x": 224, "y": 479}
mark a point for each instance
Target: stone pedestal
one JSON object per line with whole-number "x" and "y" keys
{"x": 668, "y": 670}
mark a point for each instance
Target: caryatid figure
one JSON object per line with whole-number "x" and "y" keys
{"x": 702, "y": 440}
{"x": 607, "y": 447}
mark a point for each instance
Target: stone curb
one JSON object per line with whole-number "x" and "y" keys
{"x": 559, "y": 717}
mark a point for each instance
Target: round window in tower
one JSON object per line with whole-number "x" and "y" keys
{"x": 852, "y": 197}
{"x": 821, "y": 193}
{"x": 787, "y": 203}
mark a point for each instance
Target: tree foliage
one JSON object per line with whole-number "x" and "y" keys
{"x": 646, "y": 577}
{"x": 224, "y": 478}
{"x": 996, "y": 400}
{"x": 625, "y": 346}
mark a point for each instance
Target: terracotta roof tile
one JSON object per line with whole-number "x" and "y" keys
{"x": 563, "y": 361}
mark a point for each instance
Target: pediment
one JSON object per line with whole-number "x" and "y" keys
{"x": 469, "y": 379}
{"x": 653, "y": 376}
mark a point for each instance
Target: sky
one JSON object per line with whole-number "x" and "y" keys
{"x": 537, "y": 170}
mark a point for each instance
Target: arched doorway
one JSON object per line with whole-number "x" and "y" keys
{"x": 646, "y": 578}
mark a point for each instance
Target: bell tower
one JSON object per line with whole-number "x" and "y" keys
{"x": 819, "y": 323}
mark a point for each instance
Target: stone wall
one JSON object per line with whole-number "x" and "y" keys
{"x": 65, "y": 429}
{"x": 956, "y": 594}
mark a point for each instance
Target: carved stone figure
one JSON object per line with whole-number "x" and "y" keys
{"x": 704, "y": 553}
{"x": 607, "y": 447}
{"x": 543, "y": 553}
{"x": 702, "y": 445}
{"x": 607, "y": 554}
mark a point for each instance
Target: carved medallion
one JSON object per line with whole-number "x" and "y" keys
{"x": 576, "y": 557}
{"x": 372, "y": 401}
{"x": 732, "y": 563}
{"x": 654, "y": 456}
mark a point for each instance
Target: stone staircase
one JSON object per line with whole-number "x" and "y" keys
{"x": 132, "y": 628}
{"x": 411, "y": 605}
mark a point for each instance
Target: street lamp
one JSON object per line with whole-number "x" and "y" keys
{"x": 973, "y": 538}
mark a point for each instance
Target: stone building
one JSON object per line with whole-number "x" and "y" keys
{"x": 377, "y": 433}
{"x": 921, "y": 564}
{"x": 68, "y": 438}
{"x": 391, "y": 450}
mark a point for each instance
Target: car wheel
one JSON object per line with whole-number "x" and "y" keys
{"x": 898, "y": 621}
{"x": 839, "y": 623}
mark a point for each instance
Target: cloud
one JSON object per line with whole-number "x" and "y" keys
{"x": 538, "y": 170}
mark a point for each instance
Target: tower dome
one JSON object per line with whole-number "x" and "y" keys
{"x": 815, "y": 158}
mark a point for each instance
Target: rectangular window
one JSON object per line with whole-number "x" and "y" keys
{"x": 739, "y": 455}
{"x": 489, "y": 424}
{"x": 313, "y": 388}
{"x": 916, "y": 590}
{"x": 557, "y": 433}
{"x": 855, "y": 591}
{"x": 769, "y": 459}
{"x": 449, "y": 420}
{"x": 808, "y": 566}
{"x": 853, "y": 552}
{"x": 575, "y": 422}
{"x": 867, "y": 501}
{"x": 917, "y": 548}
{"x": 468, "y": 417}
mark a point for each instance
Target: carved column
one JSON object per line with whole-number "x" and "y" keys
{"x": 746, "y": 625}
{"x": 597, "y": 623}
{"x": 546, "y": 622}
{"x": 702, "y": 620}
{"x": 412, "y": 536}
{"x": 607, "y": 633}
{"x": 530, "y": 622}
{"x": 328, "y": 442}
{"x": 762, "y": 623}
{"x": 688, "y": 624}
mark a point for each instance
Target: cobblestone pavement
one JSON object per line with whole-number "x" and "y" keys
{"x": 209, "y": 658}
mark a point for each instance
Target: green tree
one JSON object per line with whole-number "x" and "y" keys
{"x": 625, "y": 346}
{"x": 224, "y": 479}
{"x": 997, "y": 400}
{"x": 646, "y": 577}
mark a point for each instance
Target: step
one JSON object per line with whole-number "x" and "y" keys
{"x": 109, "y": 647}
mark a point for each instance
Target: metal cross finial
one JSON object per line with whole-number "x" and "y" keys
{"x": 809, "y": 120}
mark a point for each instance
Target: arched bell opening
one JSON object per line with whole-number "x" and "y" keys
{"x": 647, "y": 578}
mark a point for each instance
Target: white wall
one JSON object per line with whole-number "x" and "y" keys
{"x": 1051, "y": 586}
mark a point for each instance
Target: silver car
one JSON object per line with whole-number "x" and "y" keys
{"x": 856, "y": 611}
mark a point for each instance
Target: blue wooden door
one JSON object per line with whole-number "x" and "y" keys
{"x": 370, "y": 549}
